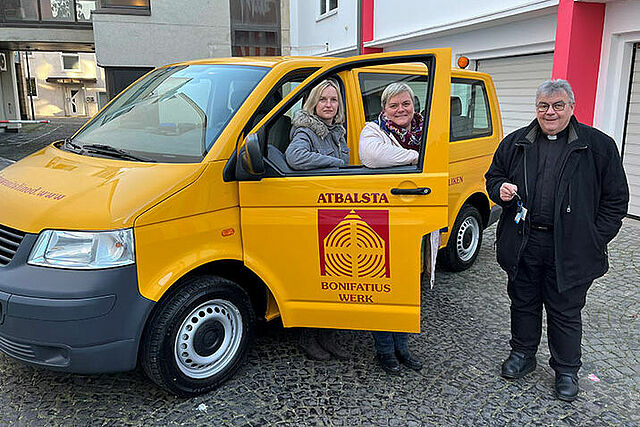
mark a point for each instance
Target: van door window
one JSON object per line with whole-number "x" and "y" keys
{"x": 372, "y": 85}
{"x": 279, "y": 130}
{"x": 470, "y": 116}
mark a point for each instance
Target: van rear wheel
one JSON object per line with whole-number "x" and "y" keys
{"x": 464, "y": 241}
{"x": 198, "y": 337}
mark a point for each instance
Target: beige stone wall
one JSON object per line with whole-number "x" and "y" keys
{"x": 285, "y": 27}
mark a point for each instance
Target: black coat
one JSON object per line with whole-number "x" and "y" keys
{"x": 590, "y": 201}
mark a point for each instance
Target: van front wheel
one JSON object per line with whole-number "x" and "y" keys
{"x": 198, "y": 337}
{"x": 464, "y": 241}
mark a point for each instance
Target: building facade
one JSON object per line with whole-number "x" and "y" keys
{"x": 135, "y": 36}
{"x": 592, "y": 44}
{"x": 60, "y": 84}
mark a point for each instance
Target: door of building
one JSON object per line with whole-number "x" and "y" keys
{"x": 75, "y": 101}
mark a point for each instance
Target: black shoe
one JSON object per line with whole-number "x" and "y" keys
{"x": 409, "y": 360}
{"x": 567, "y": 387}
{"x": 389, "y": 363}
{"x": 518, "y": 365}
{"x": 311, "y": 347}
{"x": 327, "y": 340}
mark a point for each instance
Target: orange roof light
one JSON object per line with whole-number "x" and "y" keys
{"x": 463, "y": 62}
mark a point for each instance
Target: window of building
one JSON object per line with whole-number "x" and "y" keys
{"x": 327, "y": 6}
{"x": 255, "y": 31}
{"x": 470, "y": 117}
{"x": 126, "y": 6}
{"x": 57, "y": 10}
{"x": 71, "y": 62}
{"x": 32, "y": 87}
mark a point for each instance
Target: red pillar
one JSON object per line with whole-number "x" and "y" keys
{"x": 577, "y": 52}
{"x": 366, "y": 26}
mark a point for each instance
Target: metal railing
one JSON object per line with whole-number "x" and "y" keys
{"x": 46, "y": 12}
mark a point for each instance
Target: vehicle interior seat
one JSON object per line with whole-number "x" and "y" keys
{"x": 460, "y": 125}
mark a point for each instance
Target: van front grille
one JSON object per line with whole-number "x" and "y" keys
{"x": 10, "y": 240}
{"x": 15, "y": 349}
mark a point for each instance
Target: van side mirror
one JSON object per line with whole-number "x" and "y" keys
{"x": 251, "y": 165}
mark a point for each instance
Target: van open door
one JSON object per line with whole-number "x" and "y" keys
{"x": 340, "y": 247}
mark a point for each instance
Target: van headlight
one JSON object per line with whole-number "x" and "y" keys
{"x": 83, "y": 249}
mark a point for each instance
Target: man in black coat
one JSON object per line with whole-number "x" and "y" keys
{"x": 564, "y": 193}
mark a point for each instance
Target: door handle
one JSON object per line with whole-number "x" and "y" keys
{"x": 420, "y": 191}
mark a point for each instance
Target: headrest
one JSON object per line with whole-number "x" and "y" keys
{"x": 456, "y": 106}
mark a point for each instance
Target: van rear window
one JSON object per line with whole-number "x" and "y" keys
{"x": 172, "y": 115}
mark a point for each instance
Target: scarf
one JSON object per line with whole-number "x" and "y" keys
{"x": 409, "y": 139}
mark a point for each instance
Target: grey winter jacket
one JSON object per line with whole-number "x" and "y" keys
{"x": 314, "y": 144}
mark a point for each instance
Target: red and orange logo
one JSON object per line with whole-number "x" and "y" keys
{"x": 354, "y": 243}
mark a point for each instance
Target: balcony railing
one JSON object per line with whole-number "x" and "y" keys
{"x": 46, "y": 12}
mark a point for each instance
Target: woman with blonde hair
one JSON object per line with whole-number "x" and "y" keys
{"x": 317, "y": 134}
{"x": 317, "y": 141}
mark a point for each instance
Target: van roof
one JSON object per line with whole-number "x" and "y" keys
{"x": 272, "y": 61}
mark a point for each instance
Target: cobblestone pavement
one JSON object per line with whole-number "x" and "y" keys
{"x": 465, "y": 333}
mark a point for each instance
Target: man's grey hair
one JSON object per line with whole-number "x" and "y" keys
{"x": 553, "y": 86}
{"x": 394, "y": 89}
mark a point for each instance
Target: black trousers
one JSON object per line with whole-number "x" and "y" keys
{"x": 534, "y": 287}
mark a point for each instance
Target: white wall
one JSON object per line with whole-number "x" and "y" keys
{"x": 415, "y": 18}
{"x": 621, "y": 29}
{"x": 9, "y": 108}
{"x": 509, "y": 37}
{"x": 332, "y": 34}
{"x": 173, "y": 32}
{"x": 50, "y": 101}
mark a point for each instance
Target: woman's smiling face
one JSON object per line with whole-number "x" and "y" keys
{"x": 399, "y": 110}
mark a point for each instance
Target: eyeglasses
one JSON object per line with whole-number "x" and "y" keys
{"x": 543, "y": 107}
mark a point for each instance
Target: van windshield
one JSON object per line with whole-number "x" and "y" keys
{"x": 172, "y": 115}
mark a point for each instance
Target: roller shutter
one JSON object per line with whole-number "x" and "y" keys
{"x": 516, "y": 79}
{"x": 631, "y": 146}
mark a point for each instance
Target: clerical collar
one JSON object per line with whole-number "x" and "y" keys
{"x": 560, "y": 134}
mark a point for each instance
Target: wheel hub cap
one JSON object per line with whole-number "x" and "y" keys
{"x": 208, "y": 339}
{"x": 468, "y": 238}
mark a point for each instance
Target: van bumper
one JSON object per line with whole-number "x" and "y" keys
{"x": 80, "y": 321}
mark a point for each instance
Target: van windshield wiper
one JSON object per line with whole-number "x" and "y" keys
{"x": 72, "y": 146}
{"x": 107, "y": 150}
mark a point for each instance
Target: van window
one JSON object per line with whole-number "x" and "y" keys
{"x": 173, "y": 114}
{"x": 372, "y": 85}
{"x": 279, "y": 130}
{"x": 470, "y": 114}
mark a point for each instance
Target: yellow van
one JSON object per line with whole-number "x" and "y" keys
{"x": 165, "y": 226}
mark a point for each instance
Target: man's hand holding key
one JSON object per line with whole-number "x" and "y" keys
{"x": 508, "y": 191}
